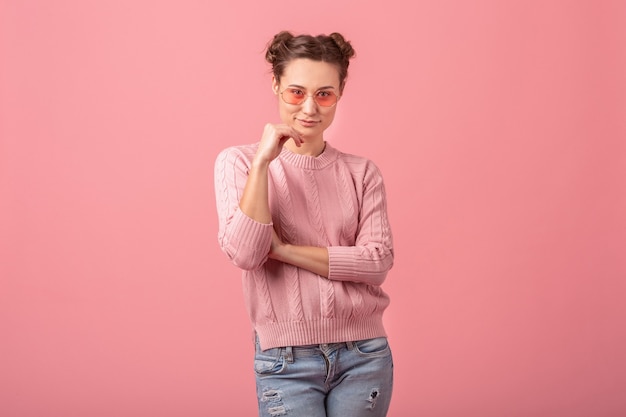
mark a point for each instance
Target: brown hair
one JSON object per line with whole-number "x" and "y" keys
{"x": 332, "y": 48}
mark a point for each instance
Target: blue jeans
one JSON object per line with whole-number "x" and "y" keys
{"x": 351, "y": 379}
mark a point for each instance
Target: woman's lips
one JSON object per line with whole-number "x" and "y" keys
{"x": 307, "y": 123}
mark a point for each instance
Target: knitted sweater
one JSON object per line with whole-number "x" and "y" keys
{"x": 334, "y": 200}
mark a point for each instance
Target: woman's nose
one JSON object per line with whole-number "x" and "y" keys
{"x": 309, "y": 106}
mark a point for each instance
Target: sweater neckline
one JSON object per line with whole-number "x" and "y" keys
{"x": 327, "y": 157}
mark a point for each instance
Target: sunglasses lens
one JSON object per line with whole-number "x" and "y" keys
{"x": 293, "y": 96}
{"x": 326, "y": 98}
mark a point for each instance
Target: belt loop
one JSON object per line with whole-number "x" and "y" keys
{"x": 350, "y": 345}
{"x": 289, "y": 354}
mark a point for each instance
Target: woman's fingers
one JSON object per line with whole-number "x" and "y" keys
{"x": 273, "y": 139}
{"x": 284, "y": 132}
{"x": 296, "y": 136}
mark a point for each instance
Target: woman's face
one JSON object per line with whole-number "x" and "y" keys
{"x": 311, "y": 78}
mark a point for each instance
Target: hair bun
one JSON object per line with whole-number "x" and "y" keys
{"x": 278, "y": 46}
{"x": 344, "y": 45}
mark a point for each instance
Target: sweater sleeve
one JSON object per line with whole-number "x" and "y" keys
{"x": 369, "y": 260}
{"x": 245, "y": 241}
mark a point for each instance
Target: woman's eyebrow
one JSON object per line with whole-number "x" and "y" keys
{"x": 304, "y": 88}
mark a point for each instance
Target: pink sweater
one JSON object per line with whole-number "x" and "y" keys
{"x": 335, "y": 200}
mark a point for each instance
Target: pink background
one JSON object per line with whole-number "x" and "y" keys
{"x": 500, "y": 127}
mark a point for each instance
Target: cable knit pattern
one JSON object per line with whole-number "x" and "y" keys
{"x": 259, "y": 288}
{"x": 334, "y": 200}
{"x": 326, "y": 288}
{"x": 344, "y": 187}
{"x": 288, "y": 233}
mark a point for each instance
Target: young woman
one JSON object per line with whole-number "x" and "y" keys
{"x": 308, "y": 226}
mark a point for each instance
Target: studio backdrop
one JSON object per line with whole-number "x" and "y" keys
{"x": 500, "y": 130}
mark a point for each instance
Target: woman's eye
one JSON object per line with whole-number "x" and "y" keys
{"x": 296, "y": 92}
{"x": 324, "y": 93}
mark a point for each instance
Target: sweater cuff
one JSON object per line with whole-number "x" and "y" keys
{"x": 341, "y": 262}
{"x": 249, "y": 230}
{"x": 252, "y": 238}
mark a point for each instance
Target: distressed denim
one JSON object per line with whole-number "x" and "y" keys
{"x": 353, "y": 379}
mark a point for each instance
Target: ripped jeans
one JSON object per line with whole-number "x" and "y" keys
{"x": 352, "y": 379}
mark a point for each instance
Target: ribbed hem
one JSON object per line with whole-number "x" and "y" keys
{"x": 315, "y": 332}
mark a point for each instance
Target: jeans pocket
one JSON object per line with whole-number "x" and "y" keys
{"x": 269, "y": 361}
{"x": 376, "y": 347}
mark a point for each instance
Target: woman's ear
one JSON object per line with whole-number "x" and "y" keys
{"x": 275, "y": 85}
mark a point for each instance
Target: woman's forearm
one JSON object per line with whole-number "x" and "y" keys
{"x": 311, "y": 258}
{"x": 254, "y": 200}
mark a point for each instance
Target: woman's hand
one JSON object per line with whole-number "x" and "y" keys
{"x": 277, "y": 244}
{"x": 272, "y": 141}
